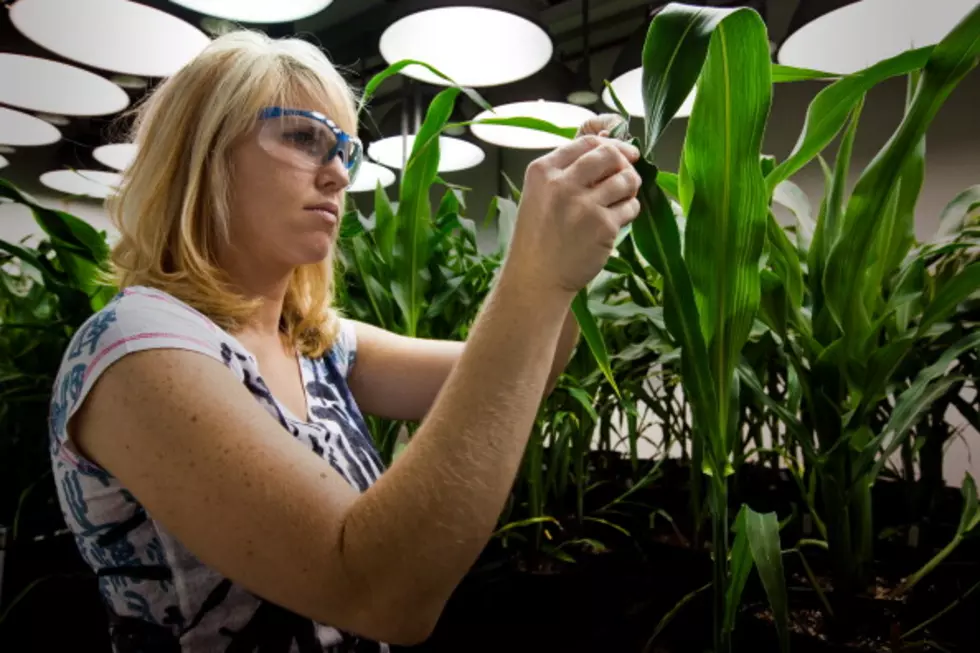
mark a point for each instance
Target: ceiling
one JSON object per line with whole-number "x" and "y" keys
{"x": 349, "y": 30}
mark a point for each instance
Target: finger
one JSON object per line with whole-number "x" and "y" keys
{"x": 602, "y": 162}
{"x": 624, "y": 212}
{"x": 597, "y": 124}
{"x": 570, "y": 152}
{"x": 617, "y": 188}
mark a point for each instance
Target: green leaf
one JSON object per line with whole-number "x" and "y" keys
{"x": 950, "y": 295}
{"x": 955, "y": 215}
{"x": 583, "y": 398}
{"x": 782, "y": 74}
{"x": 947, "y": 65}
{"x": 397, "y": 67}
{"x": 350, "y": 225}
{"x": 523, "y": 523}
{"x": 656, "y": 237}
{"x": 414, "y": 209}
{"x": 970, "y": 517}
{"x": 533, "y": 124}
{"x": 386, "y": 226}
{"x": 674, "y": 53}
{"x": 741, "y": 565}
{"x": 627, "y": 311}
{"x": 727, "y": 216}
{"x": 793, "y": 198}
{"x": 623, "y": 112}
{"x": 829, "y": 110}
{"x": 506, "y": 221}
{"x": 592, "y": 336}
{"x": 762, "y": 532}
{"x": 828, "y": 226}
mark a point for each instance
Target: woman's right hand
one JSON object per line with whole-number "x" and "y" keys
{"x": 575, "y": 201}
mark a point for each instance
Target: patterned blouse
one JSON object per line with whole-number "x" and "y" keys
{"x": 158, "y": 596}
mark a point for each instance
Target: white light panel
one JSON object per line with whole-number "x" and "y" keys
{"x": 862, "y": 34}
{"x": 88, "y": 183}
{"x": 3, "y": 161}
{"x": 116, "y": 35}
{"x": 52, "y": 87}
{"x": 117, "y": 155}
{"x": 23, "y": 130}
{"x": 629, "y": 90}
{"x": 256, "y": 11}
{"x": 557, "y": 113}
{"x": 368, "y": 177}
{"x": 474, "y": 46}
{"x": 454, "y": 154}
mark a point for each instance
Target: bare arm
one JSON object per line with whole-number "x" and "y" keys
{"x": 398, "y": 377}
{"x": 215, "y": 469}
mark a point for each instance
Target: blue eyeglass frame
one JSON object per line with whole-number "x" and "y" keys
{"x": 342, "y": 136}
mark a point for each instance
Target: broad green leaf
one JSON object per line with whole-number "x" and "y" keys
{"x": 627, "y": 311}
{"x": 727, "y": 217}
{"x": 785, "y": 261}
{"x": 414, "y": 209}
{"x": 947, "y": 65}
{"x": 61, "y": 227}
{"x": 656, "y": 236}
{"x": 762, "y": 532}
{"x": 350, "y": 225}
{"x": 674, "y": 53}
{"x": 954, "y": 216}
{"x": 950, "y": 295}
{"x": 623, "y": 113}
{"x": 829, "y": 110}
{"x": 668, "y": 181}
{"x": 592, "y": 336}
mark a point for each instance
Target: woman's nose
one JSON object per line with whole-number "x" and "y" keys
{"x": 333, "y": 173}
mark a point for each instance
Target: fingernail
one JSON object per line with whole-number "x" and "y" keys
{"x": 604, "y": 132}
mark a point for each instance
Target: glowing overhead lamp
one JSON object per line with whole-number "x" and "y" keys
{"x": 3, "y": 161}
{"x": 454, "y": 153}
{"x": 116, "y": 155}
{"x": 52, "y": 87}
{"x": 257, "y": 11}
{"x": 542, "y": 96}
{"x": 87, "y": 183}
{"x": 844, "y": 36}
{"x": 115, "y": 35}
{"x": 481, "y": 43}
{"x": 369, "y": 176}
{"x": 22, "y": 129}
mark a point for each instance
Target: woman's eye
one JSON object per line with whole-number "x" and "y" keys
{"x": 300, "y": 137}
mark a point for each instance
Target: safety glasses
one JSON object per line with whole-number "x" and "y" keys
{"x": 307, "y": 139}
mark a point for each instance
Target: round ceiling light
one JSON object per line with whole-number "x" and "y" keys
{"x": 256, "y": 11}
{"x": 629, "y": 90}
{"x": 116, "y": 35}
{"x": 53, "y": 87}
{"x": 22, "y": 129}
{"x": 474, "y": 46}
{"x": 839, "y": 42}
{"x": 454, "y": 153}
{"x": 117, "y": 155}
{"x": 88, "y": 183}
{"x": 557, "y": 113}
{"x": 3, "y": 161}
{"x": 369, "y": 176}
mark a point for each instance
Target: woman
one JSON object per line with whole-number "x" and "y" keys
{"x": 207, "y": 435}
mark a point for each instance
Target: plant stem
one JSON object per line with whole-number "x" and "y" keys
{"x": 719, "y": 547}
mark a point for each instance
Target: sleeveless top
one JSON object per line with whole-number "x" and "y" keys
{"x": 158, "y": 596}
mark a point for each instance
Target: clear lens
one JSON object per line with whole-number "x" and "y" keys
{"x": 306, "y": 143}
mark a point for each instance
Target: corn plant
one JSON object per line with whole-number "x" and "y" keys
{"x": 711, "y": 282}
{"x": 852, "y": 307}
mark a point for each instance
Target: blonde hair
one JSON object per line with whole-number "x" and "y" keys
{"x": 172, "y": 208}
